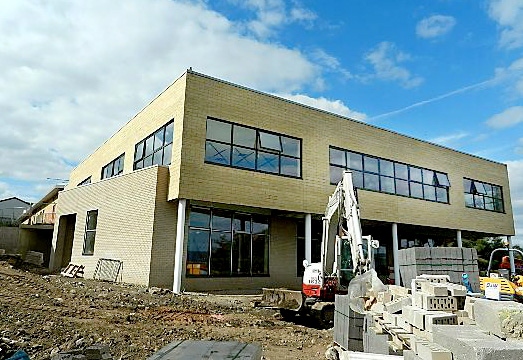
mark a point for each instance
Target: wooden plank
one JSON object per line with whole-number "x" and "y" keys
{"x": 211, "y": 350}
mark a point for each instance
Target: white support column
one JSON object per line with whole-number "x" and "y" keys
{"x": 178, "y": 255}
{"x": 458, "y": 239}
{"x": 395, "y": 249}
{"x": 308, "y": 238}
{"x": 511, "y": 256}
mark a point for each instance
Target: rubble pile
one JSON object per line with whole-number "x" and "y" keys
{"x": 47, "y": 315}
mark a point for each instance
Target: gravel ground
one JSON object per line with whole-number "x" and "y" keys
{"x": 44, "y": 314}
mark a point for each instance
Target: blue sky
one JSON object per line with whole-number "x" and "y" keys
{"x": 73, "y": 72}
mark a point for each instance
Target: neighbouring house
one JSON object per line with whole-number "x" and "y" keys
{"x": 217, "y": 187}
{"x": 10, "y": 209}
{"x": 37, "y": 224}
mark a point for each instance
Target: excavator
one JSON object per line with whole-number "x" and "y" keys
{"x": 345, "y": 253}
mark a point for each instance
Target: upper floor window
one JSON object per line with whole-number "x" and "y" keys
{"x": 481, "y": 195}
{"x": 387, "y": 176}
{"x": 114, "y": 168}
{"x": 85, "y": 181}
{"x": 252, "y": 149}
{"x": 156, "y": 149}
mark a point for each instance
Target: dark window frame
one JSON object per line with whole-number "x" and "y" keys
{"x": 86, "y": 181}
{"x": 260, "y": 153}
{"x": 112, "y": 165}
{"x": 149, "y": 156}
{"x": 425, "y": 185}
{"x": 479, "y": 195}
{"x": 210, "y": 230}
{"x": 88, "y": 249}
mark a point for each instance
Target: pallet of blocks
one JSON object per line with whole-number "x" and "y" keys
{"x": 450, "y": 261}
{"x": 434, "y": 319}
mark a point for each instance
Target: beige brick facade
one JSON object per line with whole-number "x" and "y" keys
{"x": 138, "y": 209}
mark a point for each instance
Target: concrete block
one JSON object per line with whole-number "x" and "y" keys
{"x": 390, "y": 318}
{"x": 419, "y": 318}
{"x": 417, "y": 299}
{"x": 410, "y": 355}
{"x": 395, "y": 306}
{"x": 375, "y": 342}
{"x": 439, "y": 318}
{"x": 435, "y": 278}
{"x": 501, "y": 318}
{"x": 431, "y": 351}
{"x": 398, "y": 291}
{"x": 421, "y": 253}
{"x": 468, "y": 342}
{"x": 457, "y": 290}
{"x": 434, "y": 289}
{"x": 415, "y": 285}
{"x": 384, "y": 297}
{"x": 446, "y": 303}
{"x": 403, "y": 323}
{"x": 408, "y": 313}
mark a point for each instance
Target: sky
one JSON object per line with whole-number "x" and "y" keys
{"x": 73, "y": 72}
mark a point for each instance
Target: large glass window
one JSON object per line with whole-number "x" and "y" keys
{"x": 156, "y": 149}
{"x": 482, "y": 195}
{"x": 114, "y": 168}
{"x": 252, "y": 149}
{"x": 225, "y": 243}
{"x": 387, "y": 176}
{"x": 90, "y": 232}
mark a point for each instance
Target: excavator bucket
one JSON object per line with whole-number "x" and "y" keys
{"x": 283, "y": 299}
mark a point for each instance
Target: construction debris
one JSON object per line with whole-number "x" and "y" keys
{"x": 434, "y": 319}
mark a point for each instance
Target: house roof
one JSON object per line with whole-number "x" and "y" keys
{"x": 15, "y": 198}
{"x": 51, "y": 195}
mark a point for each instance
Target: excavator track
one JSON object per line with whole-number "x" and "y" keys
{"x": 323, "y": 314}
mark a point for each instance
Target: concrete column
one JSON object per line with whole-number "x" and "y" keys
{"x": 458, "y": 238}
{"x": 395, "y": 249}
{"x": 511, "y": 256}
{"x": 178, "y": 255}
{"x": 308, "y": 238}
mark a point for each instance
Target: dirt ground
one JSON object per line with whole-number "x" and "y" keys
{"x": 45, "y": 314}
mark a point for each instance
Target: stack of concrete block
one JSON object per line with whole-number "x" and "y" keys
{"x": 408, "y": 316}
{"x": 348, "y": 325}
{"x": 451, "y": 261}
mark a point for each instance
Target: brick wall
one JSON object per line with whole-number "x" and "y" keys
{"x": 125, "y": 231}
{"x": 318, "y": 130}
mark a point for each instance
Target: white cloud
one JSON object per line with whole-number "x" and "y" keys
{"x": 435, "y": 26}
{"x": 515, "y": 172}
{"x": 508, "y": 118}
{"x": 385, "y": 59}
{"x": 333, "y": 106}
{"x": 273, "y": 14}
{"x": 329, "y": 62}
{"x": 75, "y": 72}
{"x": 509, "y": 15}
{"x": 450, "y": 139}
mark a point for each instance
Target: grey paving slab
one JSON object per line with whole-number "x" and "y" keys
{"x": 211, "y": 350}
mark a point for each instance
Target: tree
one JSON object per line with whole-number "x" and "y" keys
{"x": 484, "y": 247}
